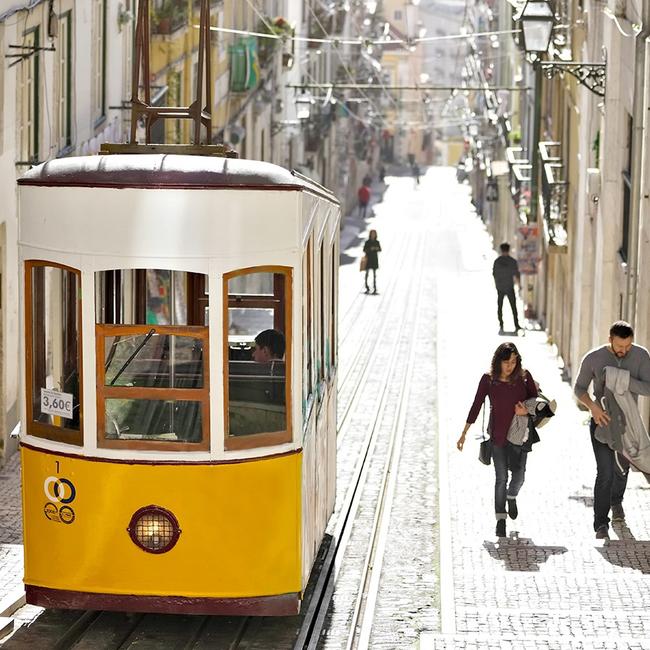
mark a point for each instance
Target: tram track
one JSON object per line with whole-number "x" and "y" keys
{"x": 363, "y": 353}
{"x": 360, "y": 627}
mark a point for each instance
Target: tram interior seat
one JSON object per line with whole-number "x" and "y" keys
{"x": 257, "y": 397}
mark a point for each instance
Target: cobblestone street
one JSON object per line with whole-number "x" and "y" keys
{"x": 550, "y": 584}
{"x": 11, "y": 547}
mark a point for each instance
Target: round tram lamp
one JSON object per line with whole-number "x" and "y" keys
{"x": 537, "y": 21}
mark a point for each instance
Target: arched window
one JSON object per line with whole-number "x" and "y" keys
{"x": 53, "y": 352}
{"x": 257, "y": 357}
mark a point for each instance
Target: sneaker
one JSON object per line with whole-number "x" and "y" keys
{"x": 512, "y": 508}
{"x": 618, "y": 514}
{"x": 501, "y": 528}
{"x": 602, "y": 533}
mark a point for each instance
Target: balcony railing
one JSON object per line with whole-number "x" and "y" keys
{"x": 520, "y": 175}
{"x": 554, "y": 197}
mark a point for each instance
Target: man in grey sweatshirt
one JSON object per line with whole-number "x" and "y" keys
{"x": 620, "y": 352}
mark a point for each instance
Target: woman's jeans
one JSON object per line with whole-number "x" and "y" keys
{"x": 610, "y": 480}
{"x": 510, "y": 458}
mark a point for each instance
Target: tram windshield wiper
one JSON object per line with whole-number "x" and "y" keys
{"x": 150, "y": 333}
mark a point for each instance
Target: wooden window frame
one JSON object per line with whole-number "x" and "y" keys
{"x": 64, "y": 71}
{"x": 128, "y": 392}
{"x": 266, "y": 439}
{"x": 38, "y": 429}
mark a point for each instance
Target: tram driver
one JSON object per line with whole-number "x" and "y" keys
{"x": 269, "y": 346}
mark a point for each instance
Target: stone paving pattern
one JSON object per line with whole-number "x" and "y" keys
{"x": 550, "y": 584}
{"x": 11, "y": 530}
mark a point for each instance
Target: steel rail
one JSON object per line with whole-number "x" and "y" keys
{"x": 314, "y": 621}
{"x": 363, "y": 615}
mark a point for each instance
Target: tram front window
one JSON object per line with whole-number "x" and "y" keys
{"x": 152, "y": 341}
{"x": 53, "y": 352}
{"x": 257, "y": 356}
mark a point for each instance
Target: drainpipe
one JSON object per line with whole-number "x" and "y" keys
{"x": 638, "y": 120}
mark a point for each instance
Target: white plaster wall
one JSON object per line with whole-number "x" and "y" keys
{"x": 609, "y": 278}
{"x": 84, "y": 138}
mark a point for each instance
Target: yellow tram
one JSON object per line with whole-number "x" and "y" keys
{"x": 166, "y": 468}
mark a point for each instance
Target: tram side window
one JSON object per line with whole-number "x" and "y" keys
{"x": 54, "y": 352}
{"x": 151, "y": 338}
{"x": 257, "y": 350}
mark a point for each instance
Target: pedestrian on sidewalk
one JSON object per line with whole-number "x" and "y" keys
{"x": 507, "y": 386}
{"x": 364, "y": 198}
{"x": 371, "y": 250}
{"x": 505, "y": 271}
{"x": 416, "y": 173}
{"x": 611, "y": 468}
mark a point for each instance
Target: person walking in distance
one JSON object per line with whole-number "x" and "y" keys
{"x": 611, "y": 468}
{"x": 364, "y": 198}
{"x": 506, "y": 273}
{"x": 371, "y": 249}
{"x": 508, "y": 386}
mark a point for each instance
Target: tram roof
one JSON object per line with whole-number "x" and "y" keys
{"x": 169, "y": 171}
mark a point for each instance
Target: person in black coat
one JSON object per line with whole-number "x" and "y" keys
{"x": 371, "y": 249}
{"x": 506, "y": 272}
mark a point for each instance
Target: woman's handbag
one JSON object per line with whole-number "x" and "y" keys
{"x": 485, "y": 448}
{"x": 363, "y": 263}
{"x": 485, "y": 451}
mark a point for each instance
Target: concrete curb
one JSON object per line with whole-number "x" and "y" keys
{"x": 12, "y": 602}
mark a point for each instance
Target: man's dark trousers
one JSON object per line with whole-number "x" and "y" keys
{"x": 510, "y": 294}
{"x": 610, "y": 483}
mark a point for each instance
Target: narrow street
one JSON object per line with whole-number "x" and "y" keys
{"x": 422, "y": 566}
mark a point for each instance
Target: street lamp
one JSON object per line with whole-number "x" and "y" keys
{"x": 304, "y": 103}
{"x": 537, "y": 23}
{"x": 536, "y": 18}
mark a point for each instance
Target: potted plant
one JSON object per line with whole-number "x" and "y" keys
{"x": 169, "y": 16}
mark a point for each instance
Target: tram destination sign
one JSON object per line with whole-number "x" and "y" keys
{"x": 54, "y": 402}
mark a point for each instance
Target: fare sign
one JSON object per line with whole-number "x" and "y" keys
{"x": 53, "y": 402}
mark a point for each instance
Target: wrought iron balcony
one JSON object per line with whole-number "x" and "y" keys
{"x": 554, "y": 197}
{"x": 520, "y": 175}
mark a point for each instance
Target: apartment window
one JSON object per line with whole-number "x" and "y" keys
{"x": 99, "y": 60}
{"x": 627, "y": 193}
{"x": 398, "y": 15}
{"x": 2, "y": 85}
{"x": 29, "y": 123}
{"x": 174, "y": 97}
{"x": 64, "y": 81}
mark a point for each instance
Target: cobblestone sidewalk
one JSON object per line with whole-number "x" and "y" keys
{"x": 11, "y": 532}
{"x": 550, "y": 584}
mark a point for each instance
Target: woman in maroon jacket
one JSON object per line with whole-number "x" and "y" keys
{"x": 508, "y": 386}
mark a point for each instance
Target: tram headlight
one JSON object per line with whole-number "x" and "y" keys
{"x": 154, "y": 529}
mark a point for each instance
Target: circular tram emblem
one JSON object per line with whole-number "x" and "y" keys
{"x": 66, "y": 514}
{"x": 59, "y": 490}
